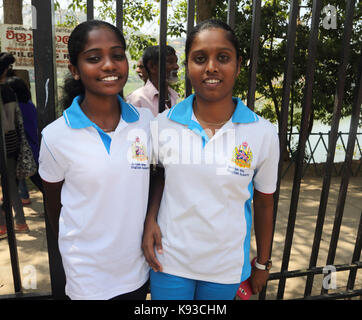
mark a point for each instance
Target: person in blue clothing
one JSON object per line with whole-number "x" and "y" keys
{"x": 216, "y": 160}
{"x": 30, "y": 120}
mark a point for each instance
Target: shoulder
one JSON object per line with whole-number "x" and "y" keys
{"x": 267, "y": 125}
{"x": 135, "y": 95}
{"x": 162, "y": 121}
{"x": 7, "y": 94}
{"x": 27, "y": 107}
{"x": 136, "y": 117}
{"x": 55, "y": 129}
{"x": 145, "y": 114}
{"x": 163, "y": 116}
{"x": 266, "y": 131}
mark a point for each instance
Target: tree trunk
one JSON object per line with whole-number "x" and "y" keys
{"x": 205, "y": 9}
{"x": 13, "y": 11}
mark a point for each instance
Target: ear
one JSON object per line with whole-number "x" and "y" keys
{"x": 74, "y": 71}
{"x": 239, "y": 66}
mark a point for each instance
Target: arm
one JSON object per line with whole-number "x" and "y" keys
{"x": 152, "y": 233}
{"x": 53, "y": 204}
{"x": 263, "y": 225}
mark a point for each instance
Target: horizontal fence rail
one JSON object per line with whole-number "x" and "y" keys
{"x": 322, "y": 143}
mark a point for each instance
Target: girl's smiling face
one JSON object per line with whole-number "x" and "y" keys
{"x": 102, "y": 64}
{"x": 212, "y": 65}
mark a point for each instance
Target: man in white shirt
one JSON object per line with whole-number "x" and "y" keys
{"x": 148, "y": 95}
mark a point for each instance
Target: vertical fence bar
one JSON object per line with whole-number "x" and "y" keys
{"x": 14, "y": 259}
{"x": 288, "y": 77}
{"x": 332, "y": 141}
{"x": 46, "y": 97}
{"x": 231, "y": 13}
{"x": 119, "y": 14}
{"x": 119, "y": 22}
{"x": 254, "y": 50}
{"x": 345, "y": 170}
{"x": 190, "y": 25}
{"x": 307, "y": 102}
{"x": 355, "y": 256}
{"x": 90, "y": 10}
{"x": 162, "y": 56}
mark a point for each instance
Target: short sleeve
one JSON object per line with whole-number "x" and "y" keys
{"x": 266, "y": 172}
{"x": 50, "y": 169}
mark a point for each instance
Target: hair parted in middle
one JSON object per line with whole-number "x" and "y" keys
{"x": 212, "y": 24}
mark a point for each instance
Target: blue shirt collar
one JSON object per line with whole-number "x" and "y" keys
{"x": 182, "y": 112}
{"x": 76, "y": 119}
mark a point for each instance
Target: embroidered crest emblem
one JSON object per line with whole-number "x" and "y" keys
{"x": 242, "y": 156}
{"x": 139, "y": 150}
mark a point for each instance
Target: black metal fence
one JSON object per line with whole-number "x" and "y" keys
{"x": 315, "y": 149}
{"x": 46, "y": 93}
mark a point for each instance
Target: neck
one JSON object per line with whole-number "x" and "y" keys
{"x": 211, "y": 112}
{"x": 154, "y": 81}
{"x": 103, "y": 111}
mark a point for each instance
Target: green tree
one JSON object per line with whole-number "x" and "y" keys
{"x": 273, "y": 37}
{"x": 272, "y": 51}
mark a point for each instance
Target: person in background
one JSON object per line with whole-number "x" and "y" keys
{"x": 30, "y": 119}
{"x": 141, "y": 71}
{"x": 11, "y": 120}
{"x": 147, "y": 96}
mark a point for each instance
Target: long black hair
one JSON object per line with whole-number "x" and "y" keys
{"x": 77, "y": 41}
{"x": 6, "y": 60}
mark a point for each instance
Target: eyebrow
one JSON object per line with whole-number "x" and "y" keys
{"x": 220, "y": 49}
{"x": 99, "y": 49}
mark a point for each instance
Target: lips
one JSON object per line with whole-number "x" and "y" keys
{"x": 110, "y": 78}
{"x": 212, "y": 81}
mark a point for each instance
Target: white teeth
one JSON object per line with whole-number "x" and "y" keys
{"x": 212, "y": 81}
{"x": 111, "y": 78}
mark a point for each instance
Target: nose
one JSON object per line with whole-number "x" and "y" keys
{"x": 212, "y": 65}
{"x": 108, "y": 64}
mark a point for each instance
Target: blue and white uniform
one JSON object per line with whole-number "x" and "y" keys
{"x": 104, "y": 199}
{"x": 205, "y": 215}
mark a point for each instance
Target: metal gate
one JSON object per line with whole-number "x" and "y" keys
{"x": 46, "y": 93}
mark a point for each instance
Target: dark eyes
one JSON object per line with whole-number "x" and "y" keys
{"x": 98, "y": 58}
{"x": 200, "y": 59}
{"x": 223, "y": 58}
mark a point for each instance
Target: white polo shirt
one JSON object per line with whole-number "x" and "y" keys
{"x": 104, "y": 199}
{"x": 206, "y": 213}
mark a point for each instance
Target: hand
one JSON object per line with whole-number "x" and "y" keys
{"x": 258, "y": 279}
{"x": 151, "y": 239}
